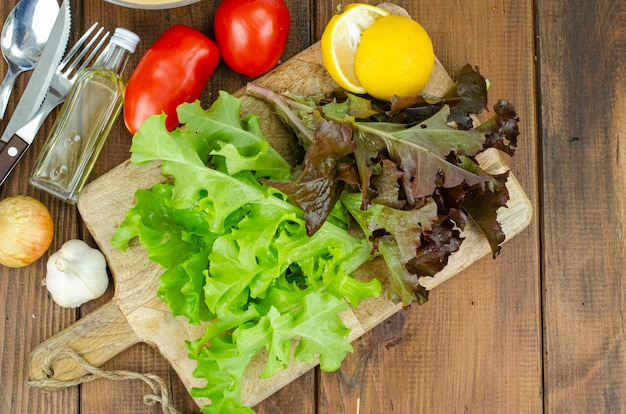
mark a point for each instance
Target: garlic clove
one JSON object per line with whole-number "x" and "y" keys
{"x": 76, "y": 274}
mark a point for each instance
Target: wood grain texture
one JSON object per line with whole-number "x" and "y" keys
{"x": 584, "y": 175}
{"x": 149, "y": 25}
{"x": 99, "y": 336}
{"x": 476, "y": 345}
{"x": 103, "y": 205}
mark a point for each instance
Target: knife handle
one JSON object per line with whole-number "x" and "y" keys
{"x": 10, "y": 156}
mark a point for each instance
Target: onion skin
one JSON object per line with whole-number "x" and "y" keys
{"x": 26, "y": 230}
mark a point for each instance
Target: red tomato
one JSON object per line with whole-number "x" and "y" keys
{"x": 251, "y": 34}
{"x": 174, "y": 70}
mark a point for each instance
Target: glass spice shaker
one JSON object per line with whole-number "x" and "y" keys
{"x": 85, "y": 120}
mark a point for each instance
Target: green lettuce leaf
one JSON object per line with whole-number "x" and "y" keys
{"x": 264, "y": 262}
{"x": 235, "y": 252}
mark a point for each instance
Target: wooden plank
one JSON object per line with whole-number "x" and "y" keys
{"x": 476, "y": 345}
{"x": 104, "y": 203}
{"x": 584, "y": 168}
{"x": 101, "y": 396}
{"x": 27, "y": 314}
{"x": 105, "y": 396}
{"x": 461, "y": 323}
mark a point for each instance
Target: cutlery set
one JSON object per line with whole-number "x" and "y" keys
{"x": 52, "y": 77}
{"x": 24, "y": 35}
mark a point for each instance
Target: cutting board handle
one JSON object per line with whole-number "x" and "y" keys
{"x": 98, "y": 337}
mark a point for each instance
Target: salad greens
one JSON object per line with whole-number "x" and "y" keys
{"x": 263, "y": 253}
{"x": 236, "y": 252}
{"x": 413, "y": 167}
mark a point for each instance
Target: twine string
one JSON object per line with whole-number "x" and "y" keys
{"x": 160, "y": 393}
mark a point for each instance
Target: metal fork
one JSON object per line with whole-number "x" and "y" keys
{"x": 66, "y": 74}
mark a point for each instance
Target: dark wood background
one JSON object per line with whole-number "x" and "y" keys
{"x": 540, "y": 329}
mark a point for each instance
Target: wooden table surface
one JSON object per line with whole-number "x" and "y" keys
{"x": 539, "y": 329}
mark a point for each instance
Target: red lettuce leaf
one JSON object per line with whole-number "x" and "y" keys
{"x": 412, "y": 187}
{"x": 482, "y": 203}
{"x": 320, "y": 184}
{"x": 421, "y": 153}
{"x": 471, "y": 88}
{"x": 501, "y": 131}
{"x": 435, "y": 248}
{"x": 396, "y": 235}
{"x": 467, "y": 98}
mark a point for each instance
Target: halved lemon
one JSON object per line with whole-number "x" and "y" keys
{"x": 341, "y": 38}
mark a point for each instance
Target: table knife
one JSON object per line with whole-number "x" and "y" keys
{"x": 13, "y": 147}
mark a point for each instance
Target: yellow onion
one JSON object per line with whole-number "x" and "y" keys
{"x": 26, "y": 230}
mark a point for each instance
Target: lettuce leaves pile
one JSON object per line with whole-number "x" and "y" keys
{"x": 407, "y": 174}
{"x": 235, "y": 252}
{"x": 263, "y": 253}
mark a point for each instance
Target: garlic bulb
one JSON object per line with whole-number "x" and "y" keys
{"x": 76, "y": 274}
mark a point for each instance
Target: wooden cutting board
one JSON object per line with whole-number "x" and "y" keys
{"x": 135, "y": 314}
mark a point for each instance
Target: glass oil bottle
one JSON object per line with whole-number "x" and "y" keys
{"x": 85, "y": 120}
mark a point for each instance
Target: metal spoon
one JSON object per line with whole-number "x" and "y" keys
{"x": 24, "y": 35}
